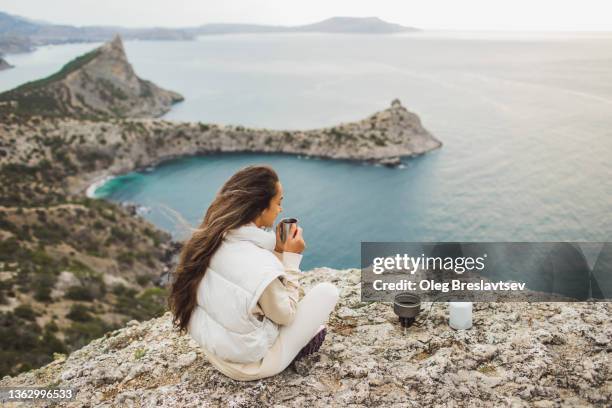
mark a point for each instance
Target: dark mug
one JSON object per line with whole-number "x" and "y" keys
{"x": 285, "y": 227}
{"x": 406, "y": 306}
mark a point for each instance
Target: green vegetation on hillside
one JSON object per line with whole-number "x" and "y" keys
{"x": 72, "y": 268}
{"x": 71, "y": 66}
{"x": 24, "y": 344}
{"x": 31, "y": 267}
{"x": 45, "y": 233}
{"x": 37, "y": 97}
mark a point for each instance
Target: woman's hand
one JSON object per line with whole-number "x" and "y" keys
{"x": 295, "y": 241}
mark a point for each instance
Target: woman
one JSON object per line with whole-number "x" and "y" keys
{"x": 236, "y": 288}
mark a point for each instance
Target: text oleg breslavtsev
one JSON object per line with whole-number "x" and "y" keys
{"x": 454, "y": 285}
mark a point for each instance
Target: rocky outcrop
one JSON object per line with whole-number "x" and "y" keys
{"x": 384, "y": 137}
{"x": 4, "y": 65}
{"x": 516, "y": 354}
{"x": 99, "y": 84}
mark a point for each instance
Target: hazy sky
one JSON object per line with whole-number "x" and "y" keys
{"x": 583, "y": 15}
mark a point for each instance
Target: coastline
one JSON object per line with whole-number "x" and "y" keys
{"x": 96, "y": 184}
{"x": 91, "y": 184}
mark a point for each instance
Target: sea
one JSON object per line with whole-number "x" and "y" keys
{"x": 525, "y": 119}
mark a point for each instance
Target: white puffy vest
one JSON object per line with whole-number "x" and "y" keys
{"x": 239, "y": 271}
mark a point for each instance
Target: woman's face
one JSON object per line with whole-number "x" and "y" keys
{"x": 267, "y": 217}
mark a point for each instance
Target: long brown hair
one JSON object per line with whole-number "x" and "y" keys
{"x": 241, "y": 199}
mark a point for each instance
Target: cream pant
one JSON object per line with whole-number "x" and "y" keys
{"x": 312, "y": 312}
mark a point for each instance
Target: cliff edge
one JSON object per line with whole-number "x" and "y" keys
{"x": 517, "y": 354}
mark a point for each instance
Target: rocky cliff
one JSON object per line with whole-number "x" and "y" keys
{"x": 99, "y": 84}
{"x": 516, "y": 354}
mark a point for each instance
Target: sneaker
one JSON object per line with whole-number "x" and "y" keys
{"x": 313, "y": 345}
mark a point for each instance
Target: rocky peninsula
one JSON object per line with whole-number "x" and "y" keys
{"x": 97, "y": 106}
{"x": 516, "y": 354}
{"x": 117, "y": 146}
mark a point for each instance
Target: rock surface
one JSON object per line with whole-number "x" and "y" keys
{"x": 516, "y": 354}
{"x": 99, "y": 84}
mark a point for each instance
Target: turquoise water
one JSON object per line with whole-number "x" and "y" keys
{"x": 341, "y": 203}
{"x": 525, "y": 120}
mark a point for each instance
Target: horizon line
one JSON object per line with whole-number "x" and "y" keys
{"x": 415, "y": 27}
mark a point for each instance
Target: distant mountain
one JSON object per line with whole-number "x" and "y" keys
{"x": 12, "y": 44}
{"x": 101, "y": 83}
{"x": 15, "y": 25}
{"x": 19, "y": 34}
{"x": 355, "y": 25}
{"x": 368, "y": 25}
